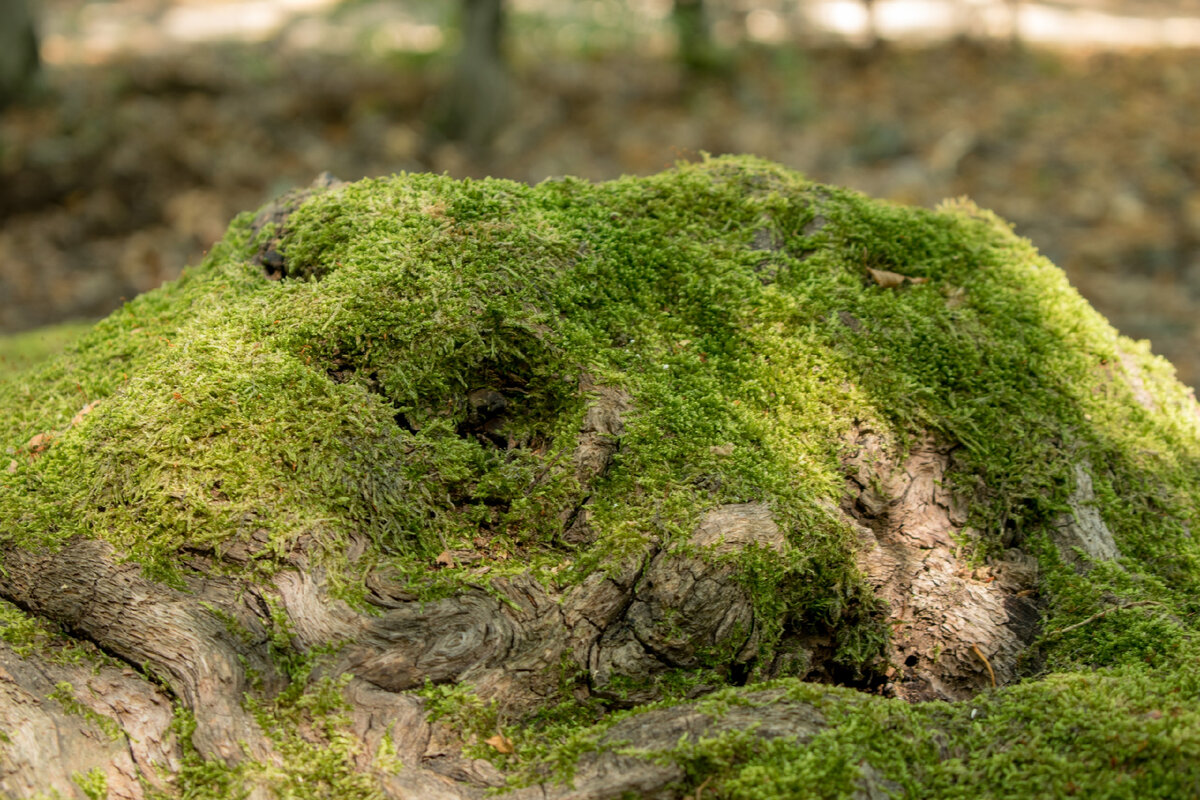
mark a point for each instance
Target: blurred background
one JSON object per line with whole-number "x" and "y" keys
{"x": 131, "y": 131}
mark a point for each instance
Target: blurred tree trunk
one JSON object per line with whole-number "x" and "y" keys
{"x": 1014, "y": 20}
{"x": 872, "y": 31}
{"x": 475, "y": 102}
{"x": 696, "y": 50}
{"x": 18, "y": 49}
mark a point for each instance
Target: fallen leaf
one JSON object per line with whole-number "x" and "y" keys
{"x": 888, "y": 280}
{"x": 12, "y": 466}
{"x": 500, "y": 743}
{"x": 891, "y": 280}
{"x": 444, "y": 559}
{"x": 39, "y": 442}
{"x": 83, "y": 412}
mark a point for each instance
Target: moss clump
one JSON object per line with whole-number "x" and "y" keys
{"x": 1124, "y": 733}
{"x": 741, "y": 309}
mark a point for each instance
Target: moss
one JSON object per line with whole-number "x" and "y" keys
{"x": 733, "y": 300}
{"x": 309, "y": 727}
{"x": 198, "y": 778}
{"x": 93, "y": 784}
{"x": 310, "y": 730}
{"x": 1130, "y": 732}
{"x": 472, "y": 720}
{"x": 19, "y": 351}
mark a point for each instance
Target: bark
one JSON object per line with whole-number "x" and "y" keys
{"x": 109, "y": 719}
{"x": 475, "y": 102}
{"x": 18, "y": 49}
{"x": 956, "y": 629}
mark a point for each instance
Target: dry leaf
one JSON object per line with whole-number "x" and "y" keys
{"x": 83, "y": 412}
{"x": 39, "y": 442}
{"x": 444, "y": 559}
{"x": 12, "y": 465}
{"x": 891, "y": 280}
{"x": 888, "y": 280}
{"x": 500, "y": 743}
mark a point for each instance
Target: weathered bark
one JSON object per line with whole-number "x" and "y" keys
{"x": 956, "y": 629}
{"x": 63, "y": 719}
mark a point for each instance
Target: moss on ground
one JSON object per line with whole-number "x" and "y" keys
{"x": 733, "y": 300}
{"x": 19, "y": 351}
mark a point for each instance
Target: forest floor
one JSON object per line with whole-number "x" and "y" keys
{"x": 125, "y": 171}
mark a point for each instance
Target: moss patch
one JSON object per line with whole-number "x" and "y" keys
{"x": 18, "y": 351}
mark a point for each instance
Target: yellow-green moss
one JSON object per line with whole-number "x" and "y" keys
{"x": 19, "y": 351}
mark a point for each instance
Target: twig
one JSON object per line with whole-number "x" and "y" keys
{"x": 986, "y": 663}
{"x": 700, "y": 788}
{"x": 1100, "y": 614}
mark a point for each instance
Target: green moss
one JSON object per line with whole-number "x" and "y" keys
{"x": 93, "y": 784}
{"x": 731, "y": 299}
{"x": 1129, "y": 733}
{"x": 309, "y": 726}
{"x": 198, "y": 778}
{"x": 19, "y": 351}
{"x": 472, "y": 720}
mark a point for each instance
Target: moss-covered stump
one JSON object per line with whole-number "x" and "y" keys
{"x": 715, "y": 483}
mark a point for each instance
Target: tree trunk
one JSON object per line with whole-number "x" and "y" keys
{"x": 18, "y": 50}
{"x": 477, "y": 99}
{"x": 696, "y": 51}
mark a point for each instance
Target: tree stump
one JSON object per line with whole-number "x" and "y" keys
{"x": 713, "y": 483}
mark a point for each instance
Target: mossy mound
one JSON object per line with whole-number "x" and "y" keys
{"x": 390, "y": 378}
